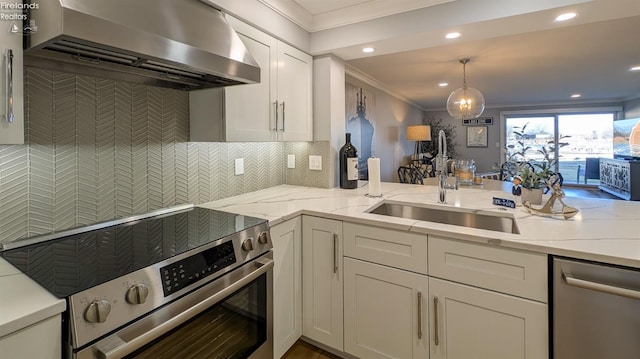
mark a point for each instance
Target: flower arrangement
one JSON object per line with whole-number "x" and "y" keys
{"x": 531, "y": 174}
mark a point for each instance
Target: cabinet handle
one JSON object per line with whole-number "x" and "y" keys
{"x": 419, "y": 315}
{"x": 283, "y": 116}
{"x": 436, "y": 337}
{"x": 276, "y": 106}
{"x": 335, "y": 253}
{"x": 9, "y": 68}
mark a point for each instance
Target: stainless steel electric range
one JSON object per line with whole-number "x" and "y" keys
{"x": 185, "y": 282}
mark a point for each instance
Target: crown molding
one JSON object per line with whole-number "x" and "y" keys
{"x": 291, "y": 11}
{"x": 369, "y": 10}
{"x": 361, "y": 76}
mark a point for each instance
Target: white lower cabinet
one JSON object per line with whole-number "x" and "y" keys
{"x": 474, "y": 301}
{"x": 385, "y": 312}
{"x": 469, "y": 322}
{"x": 42, "y": 340}
{"x": 287, "y": 284}
{"x": 322, "y": 271}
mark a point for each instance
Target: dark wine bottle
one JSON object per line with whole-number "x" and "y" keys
{"x": 348, "y": 164}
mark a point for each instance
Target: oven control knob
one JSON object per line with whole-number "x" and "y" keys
{"x": 247, "y": 245}
{"x": 97, "y": 311}
{"x": 263, "y": 238}
{"x": 137, "y": 294}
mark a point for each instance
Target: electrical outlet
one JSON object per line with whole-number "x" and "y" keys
{"x": 239, "y": 166}
{"x": 291, "y": 161}
{"x": 315, "y": 163}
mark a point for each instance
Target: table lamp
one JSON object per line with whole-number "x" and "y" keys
{"x": 418, "y": 133}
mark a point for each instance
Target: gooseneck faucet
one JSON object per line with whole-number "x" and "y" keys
{"x": 442, "y": 168}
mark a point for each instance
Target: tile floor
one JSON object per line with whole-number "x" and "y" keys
{"x": 304, "y": 350}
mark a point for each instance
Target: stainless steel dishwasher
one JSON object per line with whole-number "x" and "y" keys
{"x": 596, "y": 310}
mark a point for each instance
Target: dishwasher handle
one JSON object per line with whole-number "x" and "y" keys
{"x": 599, "y": 287}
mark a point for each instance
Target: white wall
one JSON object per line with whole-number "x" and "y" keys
{"x": 392, "y": 116}
{"x": 328, "y": 108}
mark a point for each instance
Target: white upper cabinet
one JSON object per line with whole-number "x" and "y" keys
{"x": 11, "y": 89}
{"x": 276, "y": 109}
{"x": 294, "y": 94}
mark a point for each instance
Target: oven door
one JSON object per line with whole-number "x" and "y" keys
{"x": 231, "y": 317}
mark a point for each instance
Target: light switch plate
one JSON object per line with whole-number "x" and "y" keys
{"x": 239, "y": 166}
{"x": 315, "y": 163}
{"x": 291, "y": 161}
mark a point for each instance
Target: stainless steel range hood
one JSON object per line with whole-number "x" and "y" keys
{"x": 182, "y": 44}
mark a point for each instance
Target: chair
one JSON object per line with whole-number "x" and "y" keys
{"x": 591, "y": 170}
{"x": 424, "y": 166}
{"x": 409, "y": 174}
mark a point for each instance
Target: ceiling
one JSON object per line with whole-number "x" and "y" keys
{"x": 519, "y": 55}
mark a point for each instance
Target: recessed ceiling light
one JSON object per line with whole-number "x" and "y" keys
{"x": 368, "y": 50}
{"x": 576, "y": 95}
{"x": 453, "y": 35}
{"x": 635, "y": 68}
{"x": 443, "y": 84}
{"x": 567, "y": 16}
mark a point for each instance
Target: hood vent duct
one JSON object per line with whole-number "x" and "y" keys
{"x": 182, "y": 44}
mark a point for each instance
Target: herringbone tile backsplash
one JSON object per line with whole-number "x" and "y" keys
{"x": 100, "y": 149}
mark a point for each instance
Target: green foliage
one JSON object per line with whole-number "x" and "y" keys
{"x": 534, "y": 174}
{"x": 431, "y": 147}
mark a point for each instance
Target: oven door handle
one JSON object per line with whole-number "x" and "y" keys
{"x": 124, "y": 348}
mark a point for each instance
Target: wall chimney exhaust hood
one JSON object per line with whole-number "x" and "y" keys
{"x": 182, "y": 44}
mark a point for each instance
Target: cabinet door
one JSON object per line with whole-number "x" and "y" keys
{"x": 250, "y": 109}
{"x": 11, "y": 133}
{"x": 468, "y": 322}
{"x": 385, "y": 311}
{"x": 42, "y": 340}
{"x": 322, "y": 281}
{"x": 287, "y": 284}
{"x": 295, "y": 72}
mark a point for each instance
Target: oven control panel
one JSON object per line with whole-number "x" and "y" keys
{"x": 178, "y": 275}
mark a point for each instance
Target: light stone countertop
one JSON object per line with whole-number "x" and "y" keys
{"x": 604, "y": 230}
{"x": 22, "y": 301}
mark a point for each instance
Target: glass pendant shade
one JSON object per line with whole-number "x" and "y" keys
{"x": 465, "y": 102}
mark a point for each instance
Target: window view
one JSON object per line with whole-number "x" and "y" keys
{"x": 588, "y": 137}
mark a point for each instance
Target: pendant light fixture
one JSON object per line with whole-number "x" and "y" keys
{"x": 465, "y": 102}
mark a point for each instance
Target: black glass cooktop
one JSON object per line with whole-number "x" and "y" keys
{"x": 71, "y": 264}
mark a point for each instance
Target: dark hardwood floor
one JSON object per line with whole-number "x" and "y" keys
{"x": 304, "y": 350}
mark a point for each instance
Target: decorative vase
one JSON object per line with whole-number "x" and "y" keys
{"x": 533, "y": 196}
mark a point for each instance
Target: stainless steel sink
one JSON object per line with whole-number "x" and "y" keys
{"x": 462, "y": 218}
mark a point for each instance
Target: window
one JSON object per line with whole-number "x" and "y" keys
{"x": 589, "y": 136}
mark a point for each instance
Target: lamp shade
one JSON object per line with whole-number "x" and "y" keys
{"x": 419, "y": 133}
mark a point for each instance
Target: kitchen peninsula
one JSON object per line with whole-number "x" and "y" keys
{"x": 604, "y": 231}
{"x": 355, "y": 265}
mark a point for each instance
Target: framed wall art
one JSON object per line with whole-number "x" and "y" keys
{"x": 477, "y": 136}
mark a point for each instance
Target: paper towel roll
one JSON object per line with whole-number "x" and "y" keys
{"x": 374, "y": 177}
